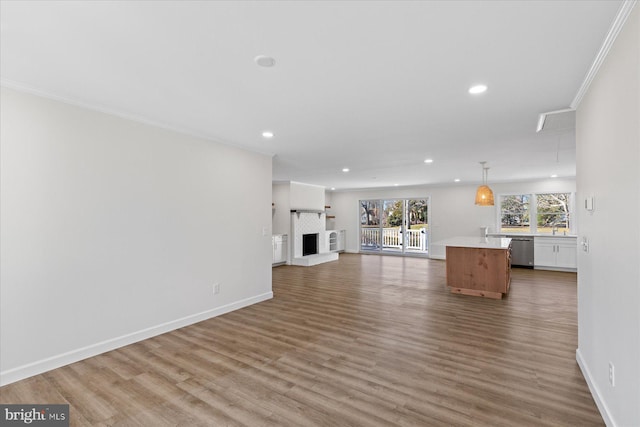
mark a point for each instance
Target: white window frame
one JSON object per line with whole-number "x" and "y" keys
{"x": 533, "y": 210}
{"x": 499, "y": 211}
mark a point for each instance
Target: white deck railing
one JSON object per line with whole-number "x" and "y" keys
{"x": 393, "y": 238}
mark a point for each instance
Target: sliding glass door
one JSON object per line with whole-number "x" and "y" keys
{"x": 393, "y": 225}
{"x": 417, "y": 211}
{"x": 370, "y": 225}
{"x": 398, "y": 226}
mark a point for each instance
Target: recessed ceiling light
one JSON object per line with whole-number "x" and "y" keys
{"x": 333, "y": 188}
{"x": 267, "y": 134}
{"x": 429, "y": 161}
{"x": 395, "y": 185}
{"x": 264, "y": 61}
{"x": 345, "y": 170}
{"x": 474, "y": 90}
{"x": 554, "y": 175}
{"x": 456, "y": 180}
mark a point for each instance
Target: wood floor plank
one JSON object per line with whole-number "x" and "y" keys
{"x": 362, "y": 341}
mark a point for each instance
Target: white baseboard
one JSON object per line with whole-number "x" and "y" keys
{"x": 16, "y": 374}
{"x": 595, "y": 392}
{"x": 568, "y": 270}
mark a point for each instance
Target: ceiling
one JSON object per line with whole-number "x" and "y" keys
{"x": 374, "y": 86}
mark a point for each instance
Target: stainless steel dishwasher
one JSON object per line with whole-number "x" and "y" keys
{"x": 522, "y": 251}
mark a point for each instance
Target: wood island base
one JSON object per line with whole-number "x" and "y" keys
{"x": 477, "y": 293}
{"x": 479, "y": 271}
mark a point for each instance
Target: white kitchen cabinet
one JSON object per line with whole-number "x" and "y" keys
{"x": 544, "y": 252}
{"x": 555, "y": 253}
{"x": 280, "y": 248}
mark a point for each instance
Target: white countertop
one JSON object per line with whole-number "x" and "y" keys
{"x": 530, "y": 235}
{"x": 476, "y": 242}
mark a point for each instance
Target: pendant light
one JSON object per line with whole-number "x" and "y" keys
{"x": 484, "y": 195}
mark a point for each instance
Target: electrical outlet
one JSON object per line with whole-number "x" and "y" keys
{"x": 612, "y": 375}
{"x": 216, "y": 288}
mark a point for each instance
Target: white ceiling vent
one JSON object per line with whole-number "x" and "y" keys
{"x": 557, "y": 120}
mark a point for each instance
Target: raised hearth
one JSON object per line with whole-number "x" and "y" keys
{"x": 315, "y": 259}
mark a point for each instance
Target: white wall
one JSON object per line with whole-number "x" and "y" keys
{"x": 331, "y": 222}
{"x": 306, "y": 196}
{"x": 453, "y": 212}
{"x": 281, "y": 212}
{"x": 113, "y": 231}
{"x": 608, "y": 167}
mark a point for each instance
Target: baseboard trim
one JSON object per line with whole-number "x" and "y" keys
{"x": 565, "y": 269}
{"x": 25, "y": 371}
{"x": 595, "y": 391}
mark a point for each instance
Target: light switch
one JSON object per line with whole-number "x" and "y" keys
{"x": 588, "y": 203}
{"x": 585, "y": 244}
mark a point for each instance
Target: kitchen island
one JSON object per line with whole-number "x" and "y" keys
{"x": 478, "y": 266}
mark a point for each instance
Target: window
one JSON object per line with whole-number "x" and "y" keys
{"x": 552, "y": 213}
{"x": 514, "y": 213}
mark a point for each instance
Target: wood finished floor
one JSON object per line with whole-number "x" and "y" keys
{"x": 363, "y": 341}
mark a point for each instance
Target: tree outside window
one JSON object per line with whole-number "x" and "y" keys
{"x": 369, "y": 213}
{"x": 553, "y": 212}
{"x": 418, "y": 213}
{"x": 393, "y": 213}
{"x": 514, "y": 213}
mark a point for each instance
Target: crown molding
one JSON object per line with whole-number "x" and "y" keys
{"x": 616, "y": 27}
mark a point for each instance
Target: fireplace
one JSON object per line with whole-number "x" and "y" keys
{"x": 310, "y": 244}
